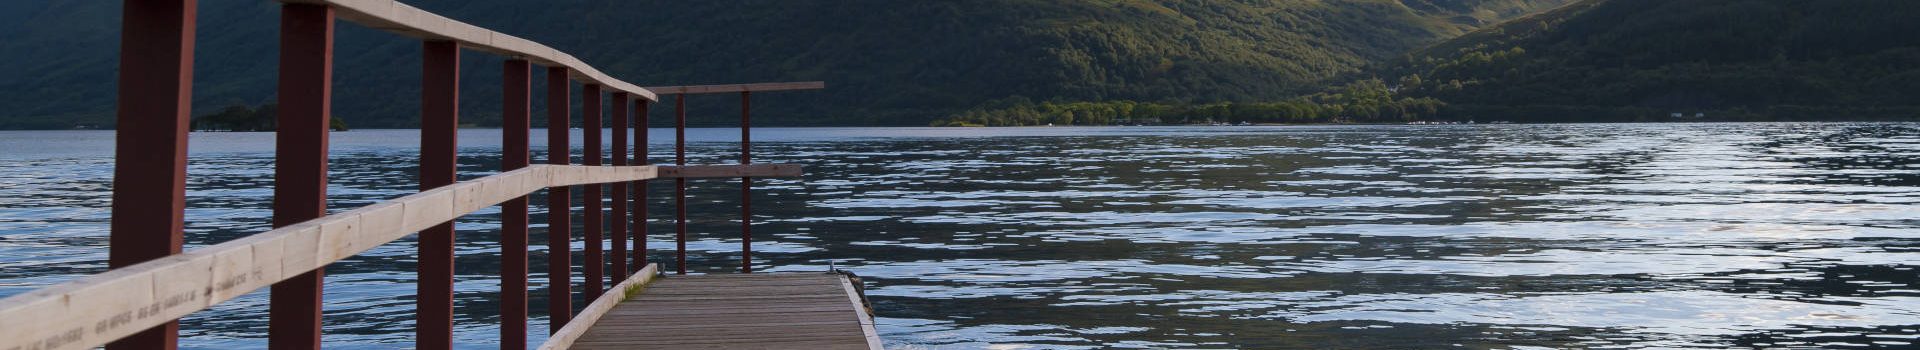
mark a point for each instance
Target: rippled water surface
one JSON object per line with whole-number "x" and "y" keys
{"x": 1511, "y": 236}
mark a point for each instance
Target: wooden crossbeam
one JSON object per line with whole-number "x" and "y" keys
{"x": 730, "y": 171}
{"x": 736, "y": 88}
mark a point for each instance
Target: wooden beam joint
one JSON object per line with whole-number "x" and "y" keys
{"x": 731, "y": 171}
{"x": 737, "y": 88}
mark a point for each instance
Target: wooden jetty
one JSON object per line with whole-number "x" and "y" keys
{"x": 153, "y": 281}
{"x": 745, "y": 311}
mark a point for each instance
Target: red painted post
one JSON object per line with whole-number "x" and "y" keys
{"x": 300, "y": 174}
{"x": 641, "y": 111}
{"x": 559, "y": 204}
{"x": 746, "y": 183}
{"x": 619, "y": 210}
{"x": 150, "y": 146}
{"x": 680, "y": 184}
{"x": 596, "y": 261}
{"x": 439, "y": 141}
{"x": 516, "y": 114}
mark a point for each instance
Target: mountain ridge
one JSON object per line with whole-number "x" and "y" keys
{"x": 1641, "y": 60}
{"x": 887, "y": 62}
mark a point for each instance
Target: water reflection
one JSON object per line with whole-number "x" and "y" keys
{"x": 1636, "y": 236}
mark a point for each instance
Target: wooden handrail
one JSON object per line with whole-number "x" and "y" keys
{"x": 599, "y": 307}
{"x": 153, "y": 283}
{"x": 96, "y": 309}
{"x": 399, "y": 18}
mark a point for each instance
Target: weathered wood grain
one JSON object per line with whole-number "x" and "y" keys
{"x": 748, "y": 311}
{"x": 580, "y": 324}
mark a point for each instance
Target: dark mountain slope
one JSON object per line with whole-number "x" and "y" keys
{"x": 1645, "y": 59}
{"x": 889, "y": 62}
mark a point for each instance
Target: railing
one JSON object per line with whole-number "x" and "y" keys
{"x": 746, "y": 157}
{"x": 135, "y": 305}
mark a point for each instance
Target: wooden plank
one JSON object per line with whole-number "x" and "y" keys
{"x": 770, "y": 277}
{"x": 754, "y": 276}
{"x": 638, "y": 342}
{"x": 762, "y": 337}
{"x": 844, "y": 334}
{"x": 743, "y": 289}
{"x": 582, "y": 322}
{"x": 731, "y": 171}
{"x": 744, "y": 303}
{"x": 860, "y": 311}
{"x": 747, "y": 311}
{"x": 780, "y": 317}
{"x": 782, "y": 310}
{"x": 664, "y": 326}
{"x": 729, "y": 331}
{"x": 705, "y": 295}
{"x": 738, "y": 88}
{"x": 816, "y": 279}
{"x": 829, "y": 345}
{"x": 741, "y": 293}
{"x": 753, "y": 283}
{"x": 756, "y": 283}
{"x": 679, "y": 327}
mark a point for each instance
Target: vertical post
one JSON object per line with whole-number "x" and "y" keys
{"x": 517, "y": 110}
{"x": 150, "y": 146}
{"x": 596, "y": 261}
{"x": 300, "y": 174}
{"x": 680, "y": 183}
{"x": 640, "y": 130}
{"x": 619, "y": 210}
{"x": 559, "y": 204}
{"x": 439, "y": 124}
{"x": 746, "y": 183}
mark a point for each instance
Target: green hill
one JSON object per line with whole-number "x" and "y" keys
{"x": 1646, "y": 59}
{"x": 889, "y": 62}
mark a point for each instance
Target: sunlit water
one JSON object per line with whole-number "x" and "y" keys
{"x": 1515, "y": 236}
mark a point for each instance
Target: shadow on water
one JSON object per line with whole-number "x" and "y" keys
{"x": 1660, "y": 235}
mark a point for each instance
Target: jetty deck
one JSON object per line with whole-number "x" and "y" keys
{"x": 737, "y": 311}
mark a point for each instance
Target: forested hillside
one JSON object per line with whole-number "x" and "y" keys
{"x": 888, "y": 62}
{"x": 1611, "y": 60}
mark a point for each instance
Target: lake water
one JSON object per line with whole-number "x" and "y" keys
{"x": 1492, "y": 236}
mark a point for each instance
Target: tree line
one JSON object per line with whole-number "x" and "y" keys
{"x": 245, "y": 118}
{"x": 1364, "y": 101}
